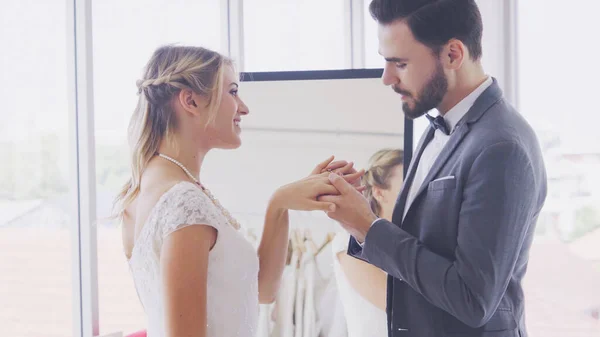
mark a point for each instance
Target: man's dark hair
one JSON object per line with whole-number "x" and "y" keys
{"x": 435, "y": 22}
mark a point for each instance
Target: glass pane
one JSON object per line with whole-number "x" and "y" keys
{"x": 294, "y": 35}
{"x": 125, "y": 35}
{"x": 35, "y": 224}
{"x": 558, "y": 96}
{"x": 372, "y": 57}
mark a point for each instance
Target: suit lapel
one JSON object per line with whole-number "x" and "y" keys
{"x": 398, "y": 213}
{"x": 456, "y": 138}
{"x": 488, "y": 98}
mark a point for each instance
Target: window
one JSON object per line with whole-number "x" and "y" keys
{"x": 294, "y": 35}
{"x": 125, "y": 35}
{"x": 372, "y": 57}
{"x": 35, "y": 222}
{"x": 557, "y": 90}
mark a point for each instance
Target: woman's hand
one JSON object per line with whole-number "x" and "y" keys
{"x": 343, "y": 168}
{"x": 302, "y": 195}
{"x": 328, "y": 165}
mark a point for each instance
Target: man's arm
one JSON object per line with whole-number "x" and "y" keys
{"x": 355, "y": 248}
{"x": 499, "y": 201}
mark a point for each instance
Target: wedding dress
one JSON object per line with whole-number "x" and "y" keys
{"x": 232, "y": 284}
{"x": 362, "y": 317}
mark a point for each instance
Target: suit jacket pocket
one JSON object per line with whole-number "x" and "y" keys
{"x": 502, "y": 320}
{"x": 442, "y": 184}
{"x": 506, "y": 333}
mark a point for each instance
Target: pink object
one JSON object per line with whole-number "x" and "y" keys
{"x": 141, "y": 333}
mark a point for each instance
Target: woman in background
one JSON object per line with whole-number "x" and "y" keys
{"x": 195, "y": 274}
{"x": 362, "y": 286}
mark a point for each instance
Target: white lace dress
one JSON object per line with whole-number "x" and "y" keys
{"x": 232, "y": 288}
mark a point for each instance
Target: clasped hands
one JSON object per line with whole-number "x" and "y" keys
{"x": 333, "y": 187}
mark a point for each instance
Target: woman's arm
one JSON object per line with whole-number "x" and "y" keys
{"x": 184, "y": 267}
{"x": 369, "y": 281}
{"x": 272, "y": 252}
{"x": 300, "y": 195}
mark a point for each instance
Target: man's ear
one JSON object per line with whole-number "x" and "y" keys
{"x": 454, "y": 54}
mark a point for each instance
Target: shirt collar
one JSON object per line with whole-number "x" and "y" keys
{"x": 454, "y": 115}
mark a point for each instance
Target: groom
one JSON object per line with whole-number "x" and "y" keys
{"x": 457, "y": 248}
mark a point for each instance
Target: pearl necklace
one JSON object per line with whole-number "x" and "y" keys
{"x": 214, "y": 200}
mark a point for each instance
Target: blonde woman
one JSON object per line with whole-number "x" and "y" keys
{"x": 362, "y": 286}
{"x": 195, "y": 274}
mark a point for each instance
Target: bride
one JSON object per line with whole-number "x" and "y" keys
{"x": 195, "y": 274}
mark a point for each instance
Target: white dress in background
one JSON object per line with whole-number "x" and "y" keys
{"x": 285, "y": 302}
{"x": 362, "y": 317}
{"x": 232, "y": 285}
{"x": 308, "y": 303}
{"x": 328, "y": 305}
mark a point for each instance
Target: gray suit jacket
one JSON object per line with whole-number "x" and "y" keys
{"x": 456, "y": 261}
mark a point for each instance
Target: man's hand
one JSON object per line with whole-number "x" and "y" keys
{"x": 352, "y": 208}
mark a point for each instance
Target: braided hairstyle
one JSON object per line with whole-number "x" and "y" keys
{"x": 381, "y": 166}
{"x": 169, "y": 70}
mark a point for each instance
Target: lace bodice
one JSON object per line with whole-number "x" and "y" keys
{"x": 232, "y": 285}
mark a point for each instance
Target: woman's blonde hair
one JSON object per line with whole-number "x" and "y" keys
{"x": 169, "y": 70}
{"x": 381, "y": 166}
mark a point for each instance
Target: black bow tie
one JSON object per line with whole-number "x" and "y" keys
{"x": 439, "y": 123}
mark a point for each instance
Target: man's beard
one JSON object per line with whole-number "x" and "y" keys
{"x": 430, "y": 97}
